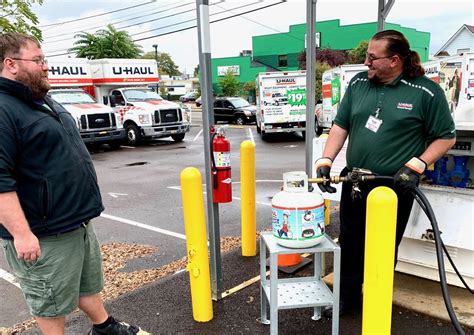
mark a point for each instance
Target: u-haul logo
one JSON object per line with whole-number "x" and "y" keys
{"x": 405, "y": 105}
{"x": 67, "y": 70}
{"x": 286, "y": 81}
{"x": 132, "y": 70}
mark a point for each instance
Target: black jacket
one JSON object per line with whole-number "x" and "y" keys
{"x": 44, "y": 160}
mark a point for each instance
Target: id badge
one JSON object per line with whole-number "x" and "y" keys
{"x": 373, "y": 123}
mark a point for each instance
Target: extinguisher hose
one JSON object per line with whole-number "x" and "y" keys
{"x": 426, "y": 206}
{"x": 213, "y": 162}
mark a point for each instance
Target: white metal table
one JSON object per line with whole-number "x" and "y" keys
{"x": 297, "y": 292}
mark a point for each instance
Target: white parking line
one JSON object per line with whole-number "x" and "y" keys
{"x": 197, "y": 136}
{"x": 8, "y": 277}
{"x": 144, "y": 226}
{"x": 251, "y": 135}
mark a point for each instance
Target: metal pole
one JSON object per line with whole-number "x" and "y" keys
{"x": 384, "y": 8}
{"x": 310, "y": 81}
{"x": 204, "y": 39}
{"x": 157, "y": 67}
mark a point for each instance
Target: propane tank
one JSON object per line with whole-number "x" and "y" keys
{"x": 297, "y": 215}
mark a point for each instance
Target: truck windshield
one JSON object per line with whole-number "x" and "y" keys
{"x": 73, "y": 97}
{"x": 141, "y": 95}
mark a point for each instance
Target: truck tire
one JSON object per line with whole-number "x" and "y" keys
{"x": 178, "y": 137}
{"x": 264, "y": 135}
{"x": 259, "y": 130}
{"x": 239, "y": 120}
{"x": 134, "y": 137}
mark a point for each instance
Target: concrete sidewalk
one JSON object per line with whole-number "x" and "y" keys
{"x": 164, "y": 307}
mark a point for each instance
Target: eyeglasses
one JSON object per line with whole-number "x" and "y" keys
{"x": 38, "y": 61}
{"x": 371, "y": 58}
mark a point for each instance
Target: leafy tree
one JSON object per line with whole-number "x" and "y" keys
{"x": 229, "y": 85}
{"x": 196, "y": 71}
{"x": 16, "y": 16}
{"x": 165, "y": 64}
{"x": 357, "y": 55}
{"x": 106, "y": 43}
{"x": 329, "y": 56}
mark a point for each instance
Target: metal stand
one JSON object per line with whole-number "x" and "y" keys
{"x": 298, "y": 292}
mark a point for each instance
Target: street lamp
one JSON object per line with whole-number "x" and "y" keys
{"x": 157, "y": 69}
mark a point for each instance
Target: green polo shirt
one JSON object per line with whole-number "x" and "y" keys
{"x": 414, "y": 112}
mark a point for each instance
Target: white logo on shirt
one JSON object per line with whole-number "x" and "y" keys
{"x": 405, "y": 105}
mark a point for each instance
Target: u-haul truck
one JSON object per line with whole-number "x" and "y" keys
{"x": 123, "y": 85}
{"x": 334, "y": 85}
{"x": 281, "y": 103}
{"x": 97, "y": 123}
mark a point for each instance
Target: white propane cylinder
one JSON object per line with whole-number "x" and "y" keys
{"x": 297, "y": 215}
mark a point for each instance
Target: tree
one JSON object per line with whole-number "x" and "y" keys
{"x": 16, "y": 16}
{"x": 106, "y": 43}
{"x": 165, "y": 64}
{"x": 196, "y": 71}
{"x": 357, "y": 55}
{"x": 320, "y": 68}
{"x": 329, "y": 56}
{"x": 230, "y": 86}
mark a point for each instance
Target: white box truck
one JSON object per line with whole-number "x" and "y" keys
{"x": 281, "y": 103}
{"x": 123, "y": 85}
{"x": 334, "y": 85}
{"x": 71, "y": 80}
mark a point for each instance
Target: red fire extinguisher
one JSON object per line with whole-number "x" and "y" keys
{"x": 221, "y": 170}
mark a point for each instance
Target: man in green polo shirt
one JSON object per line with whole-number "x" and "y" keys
{"x": 398, "y": 122}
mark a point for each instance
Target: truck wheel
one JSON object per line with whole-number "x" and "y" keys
{"x": 468, "y": 97}
{"x": 264, "y": 135}
{"x": 177, "y": 137}
{"x": 259, "y": 130}
{"x": 115, "y": 145}
{"x": 134, "y": 137}
{"x": 239, "y": 120}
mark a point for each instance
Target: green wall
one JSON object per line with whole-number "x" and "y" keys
{"x": 267, "y": 48}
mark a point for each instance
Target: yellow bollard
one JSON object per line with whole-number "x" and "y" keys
{"x": 196, "y": 243}
{"x": 379, "y": 260}
{"x": 327, "y": 212}
{"x": 247, "y": 194}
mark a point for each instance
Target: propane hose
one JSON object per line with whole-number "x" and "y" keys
{"x": 359, "y": 175}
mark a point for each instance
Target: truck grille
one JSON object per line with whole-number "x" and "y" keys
{"x": 98, "y": 121}
{"x": 167, "y": 116}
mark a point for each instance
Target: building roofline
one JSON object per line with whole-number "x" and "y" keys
{"x": 464, "y": 26}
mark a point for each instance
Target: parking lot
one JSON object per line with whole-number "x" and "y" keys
{"x": 141, "y": 192}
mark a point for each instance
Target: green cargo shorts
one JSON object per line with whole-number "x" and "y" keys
{"x": 70, "y": 266}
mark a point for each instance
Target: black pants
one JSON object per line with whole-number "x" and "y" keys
{"x": 352, "y": 234}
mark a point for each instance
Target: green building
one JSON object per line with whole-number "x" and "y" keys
{"x": 279, "y": 52}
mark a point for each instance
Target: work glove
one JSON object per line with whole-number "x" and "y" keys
{"x": 408, "y": 176}
{"x": 323, "y": 168}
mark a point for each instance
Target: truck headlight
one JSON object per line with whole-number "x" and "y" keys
{"x": 144, "y": 118}
{"x": 248, "y": 113}
{"x": 118, "y": 121}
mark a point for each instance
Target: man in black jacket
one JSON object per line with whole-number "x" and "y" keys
{"x": 48, "y": 195}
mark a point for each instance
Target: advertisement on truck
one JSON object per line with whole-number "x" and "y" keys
{"x": 71, "y": 81}
{"x": 281, "y": 102}
{"x": 123, "y": 85}
{"x": 334, "y": 85}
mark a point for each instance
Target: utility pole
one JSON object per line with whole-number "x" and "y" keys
{"x": 157, "y": 68}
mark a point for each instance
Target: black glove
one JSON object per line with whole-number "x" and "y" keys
{"x": 323, "y": 168}
{"x": 408, "y": 176}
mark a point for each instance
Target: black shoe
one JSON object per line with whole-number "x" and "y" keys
{"x": 344, "y": 309}
{"x": 116, "y": 328}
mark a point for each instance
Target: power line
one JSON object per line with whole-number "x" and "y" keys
{"x": 97, "y": 15}
{"x": 121, "y": 21}
{"x": 191, "y": 27}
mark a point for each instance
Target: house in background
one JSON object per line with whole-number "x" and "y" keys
{"x": 460, "y": 43}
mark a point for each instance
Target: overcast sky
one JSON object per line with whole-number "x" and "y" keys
{"x": 440, "y": 18}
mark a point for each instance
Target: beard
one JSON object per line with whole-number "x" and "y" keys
{"x": 36, "y": 81}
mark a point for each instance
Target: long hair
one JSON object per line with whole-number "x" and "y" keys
{"x": 11, "y": 43}
{"x": 398, "y": 44}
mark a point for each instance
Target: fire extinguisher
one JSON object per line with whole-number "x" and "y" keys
{"x": 221, "y": 169}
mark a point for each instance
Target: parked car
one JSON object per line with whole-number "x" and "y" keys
{"x": 234, "y": 109}
{"x": 191, "y": 96}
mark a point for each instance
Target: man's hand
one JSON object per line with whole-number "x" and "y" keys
{"x": 408, "y": 176}
{"x": 323, "y": 168}
{"x": 27, "y": 247}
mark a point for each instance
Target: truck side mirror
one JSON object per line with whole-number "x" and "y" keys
{"x": 105, "y": 100}
{"x": 112, "y": 101}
